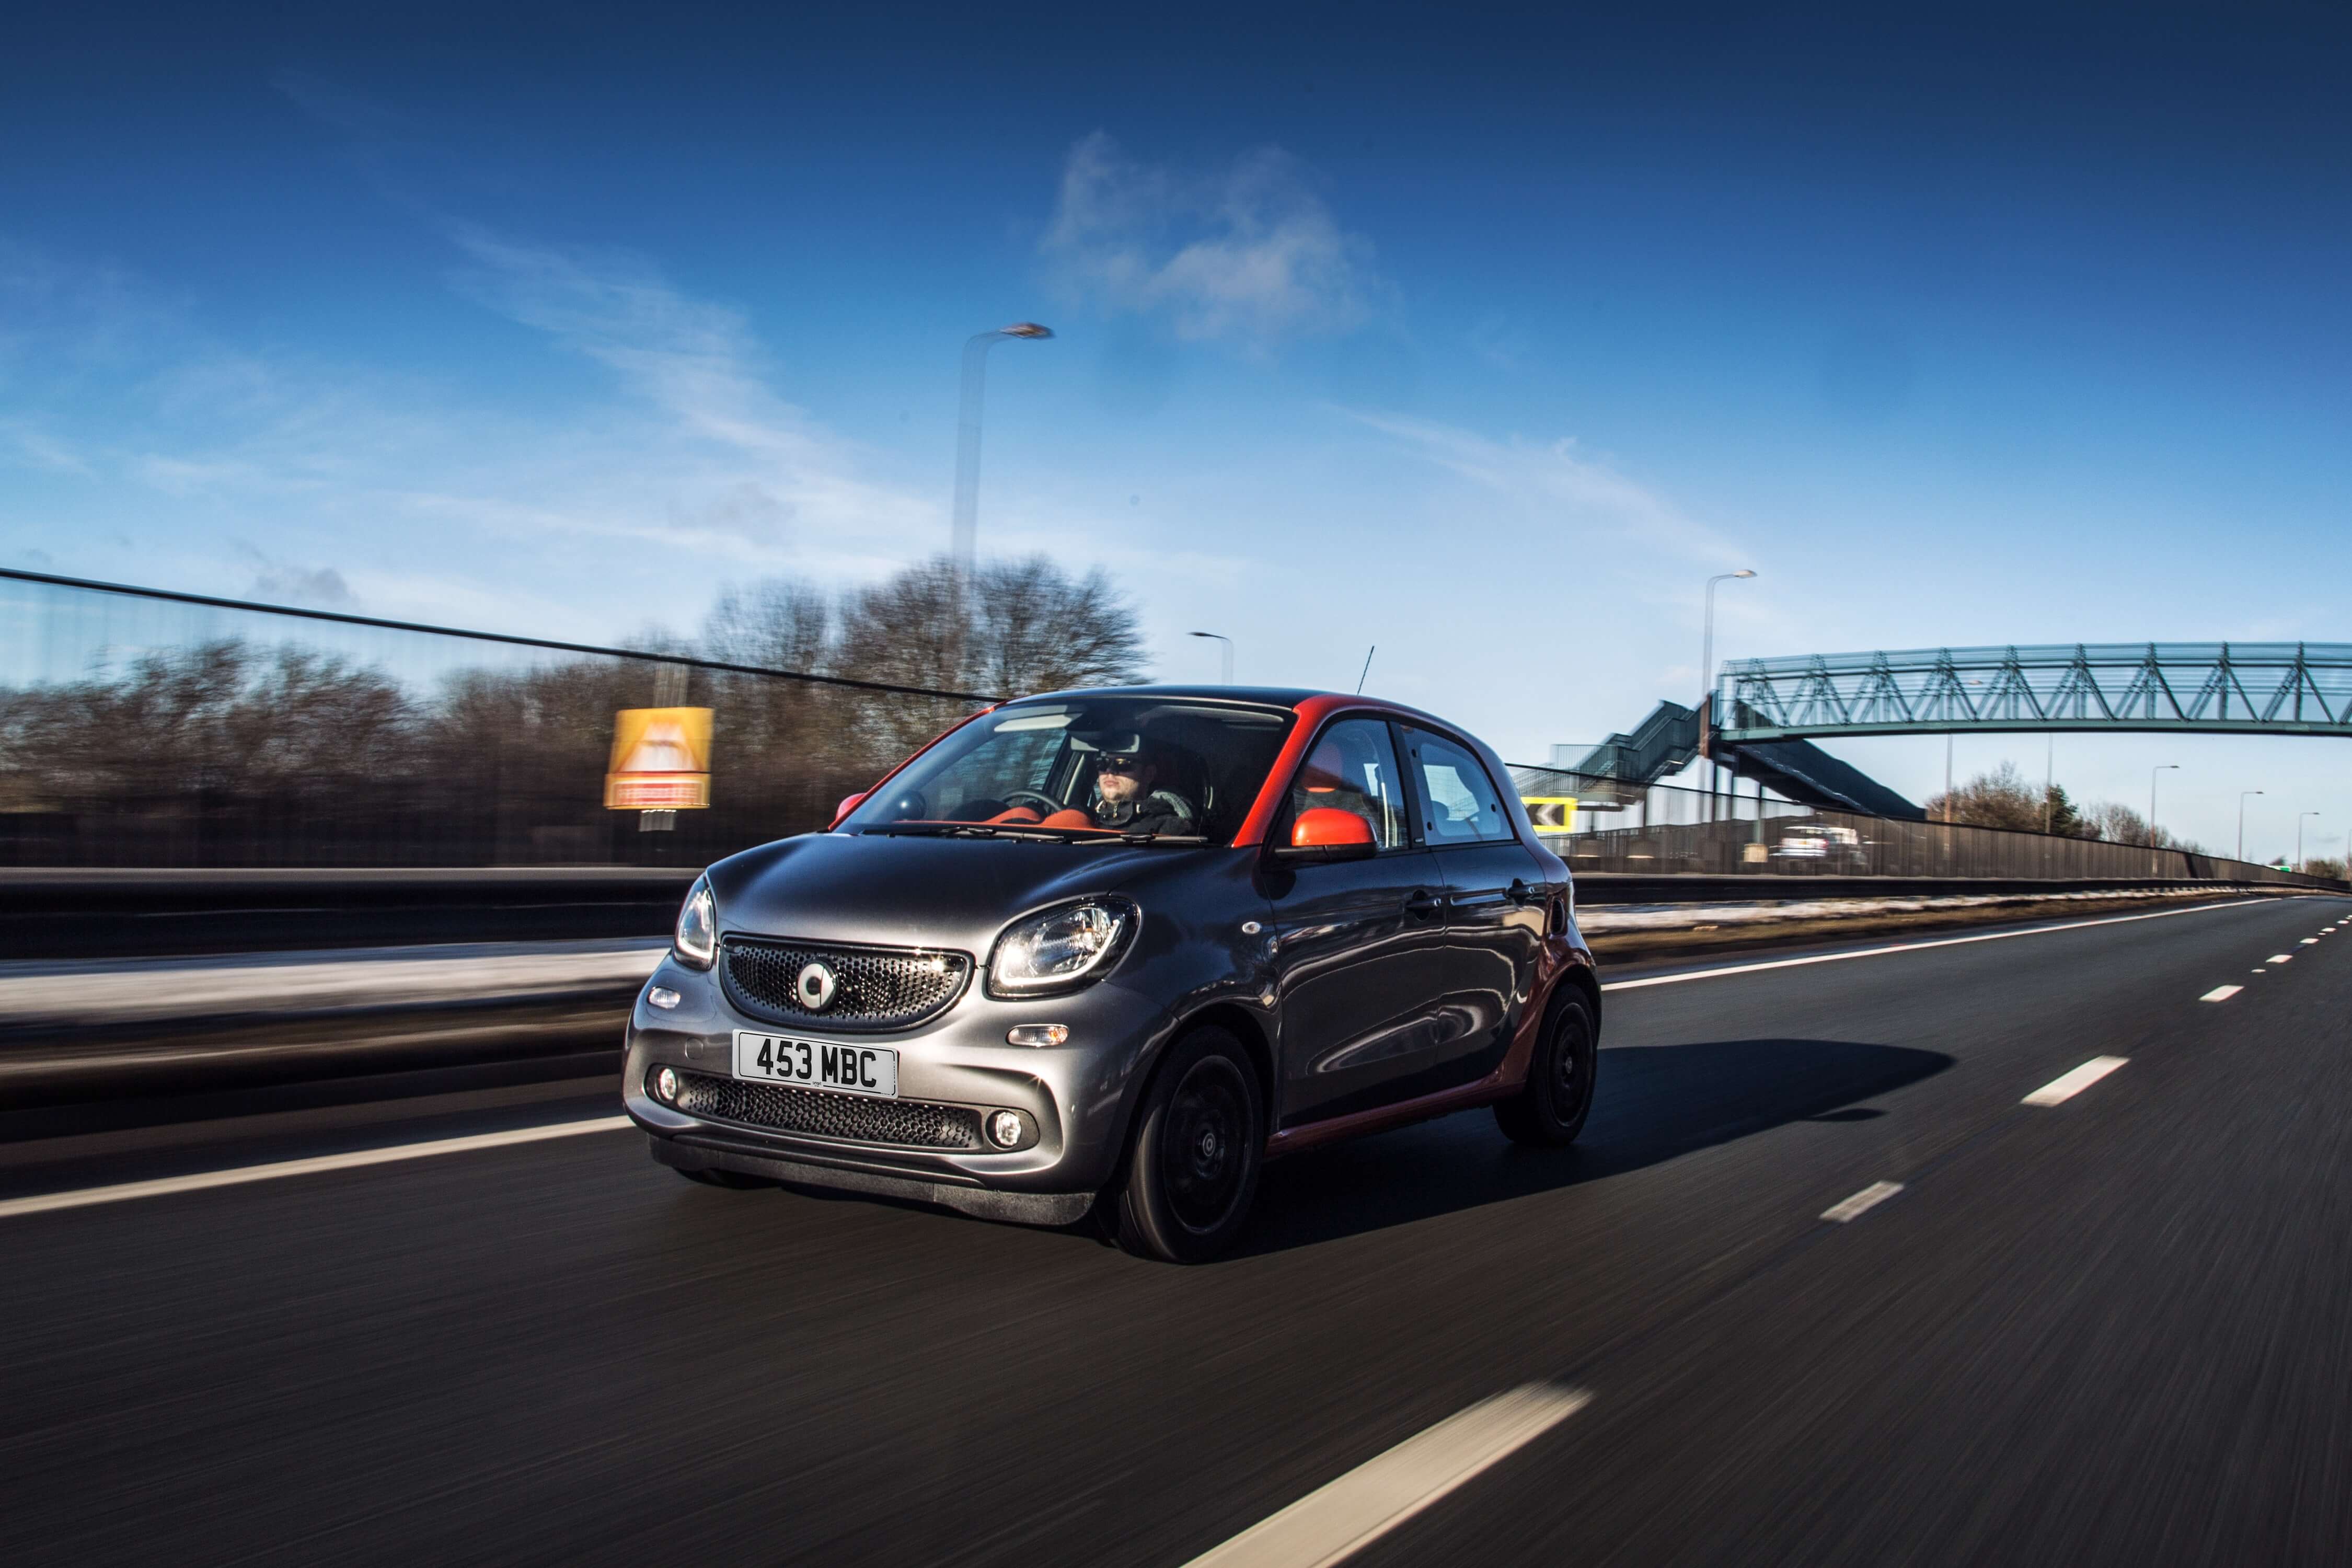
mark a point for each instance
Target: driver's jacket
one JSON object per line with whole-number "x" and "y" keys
{"x": 1150, "y": 814}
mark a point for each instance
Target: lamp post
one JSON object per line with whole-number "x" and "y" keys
{"x": 967, "y": 481}
{"x": 2241, "y": 820}
{"x": 2298, "y": 839}
{"x": 1706, "y": 667}
{"x": 2160, "y": 767}
{"x": 1228, "y": 663}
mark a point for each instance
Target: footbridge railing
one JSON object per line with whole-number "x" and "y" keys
{"x": 2272, "y": 689}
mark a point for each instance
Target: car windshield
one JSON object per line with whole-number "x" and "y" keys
{"x": 1087, "y": 768}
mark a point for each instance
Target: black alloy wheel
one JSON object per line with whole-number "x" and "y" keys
{"x": 1198, "y": 1144}
{"x": 1549, "y": 1111}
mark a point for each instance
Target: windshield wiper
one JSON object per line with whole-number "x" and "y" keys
{"x": 973, "y": 830}
{"x": 1029, "y": 831}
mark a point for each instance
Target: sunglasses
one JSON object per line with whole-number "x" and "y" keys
{"x": 1119, "y": 765}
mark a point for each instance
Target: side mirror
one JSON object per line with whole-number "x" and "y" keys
{"x": 849, "y": 803}
{"x": 1327, "y": 832}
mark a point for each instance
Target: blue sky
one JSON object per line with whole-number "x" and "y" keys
{"x": 1482, "y": 335}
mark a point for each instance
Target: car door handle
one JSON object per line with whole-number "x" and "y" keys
{"x": 1518, "y": 892}
{"x": 1423, "y": 904}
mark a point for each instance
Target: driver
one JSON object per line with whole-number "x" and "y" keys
{"x": 1124, "y": 775}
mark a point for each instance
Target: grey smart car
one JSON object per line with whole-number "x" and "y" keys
{"x": 1101, "y": 953}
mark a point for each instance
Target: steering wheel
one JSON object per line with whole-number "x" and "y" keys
{"x": 1045, "y": 805}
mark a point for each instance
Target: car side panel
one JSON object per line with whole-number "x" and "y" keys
{"x": 1360, "y": 959}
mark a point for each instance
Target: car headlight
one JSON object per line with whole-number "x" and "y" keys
{"x": 696, "y": 941}
{"x": 1061, "y": 949}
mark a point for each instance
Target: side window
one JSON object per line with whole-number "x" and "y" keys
{"x": 1458, "y": 802}
{"x": 1353, "y": 767}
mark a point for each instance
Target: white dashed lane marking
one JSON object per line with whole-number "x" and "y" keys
{"x": 1335, "y": 1521}
{"x": 87, "y": 1195}
{"x": 2222, "y": 993}
{"x": 2066, "y": 1086}
{"x": 2309, "y": 942}
{"x": 1861, "y": 1202}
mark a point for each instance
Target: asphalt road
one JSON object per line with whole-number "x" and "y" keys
{"x": 2115, "y": 1328}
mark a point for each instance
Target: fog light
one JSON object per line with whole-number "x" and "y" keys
{"x": 1007, "y": 1128}
{"x": 663, "y": 996}
{"x": 1038, "y": 1035}
{"x": 664, "y": 1082}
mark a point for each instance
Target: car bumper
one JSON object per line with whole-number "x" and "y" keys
{"x": 1077, "y": 1094}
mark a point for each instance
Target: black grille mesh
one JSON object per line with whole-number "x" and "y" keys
{"x": 909, "y": 1123}
{"x": 878, "y": 987}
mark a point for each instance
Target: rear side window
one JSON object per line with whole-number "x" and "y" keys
{"x": 1459, "y": 802}
{"x": 1353, "y": 767}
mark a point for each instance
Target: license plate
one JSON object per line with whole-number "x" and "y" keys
{"x": 811, "y": 1064}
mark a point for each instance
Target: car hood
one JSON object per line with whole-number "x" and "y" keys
{"x": 954, "y": 893}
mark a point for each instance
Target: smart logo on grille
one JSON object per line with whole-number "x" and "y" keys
{"x": 850, "y": 987}
{"x": 816, "y": 987}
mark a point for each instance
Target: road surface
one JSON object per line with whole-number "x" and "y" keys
{"x": 2114, "y": 1327}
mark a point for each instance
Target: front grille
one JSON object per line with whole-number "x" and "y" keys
{"x": 874, "y": 987}
{"x": 908, "y": 1123}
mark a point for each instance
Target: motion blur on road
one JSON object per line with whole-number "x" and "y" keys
{"x": 1867, "y": 482}
{"x": 2099, "y": 1329}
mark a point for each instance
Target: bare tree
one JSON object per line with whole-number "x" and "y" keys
{"x": 777, "y": 623}
{"x": 2119, "y": 823}
{"x": 2000, "y": 798}
{"x": 910, "y": 629}
{"x": 1036, "y": 628}
{"x": 1025, "y": 625}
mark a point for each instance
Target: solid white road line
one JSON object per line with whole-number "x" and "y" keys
{"x": 1337, "y": 1520}
{"x": 2066, "y": 1086}
{"x": 358, "y": 1157}
{"x": 1912, "y": 946}
{"x": 2222, "y": 993}
{"x": 1862, "y": 1202}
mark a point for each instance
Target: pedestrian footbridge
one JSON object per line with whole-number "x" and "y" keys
{"x": 1764, "y": 714}
{"x": 2261, "y": 689}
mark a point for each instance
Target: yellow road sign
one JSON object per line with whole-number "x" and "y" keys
{"x": 1551, "y": 812}
{"x": 661, "y": 760}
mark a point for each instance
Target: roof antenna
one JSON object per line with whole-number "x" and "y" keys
{"x": 1368, "y": 668}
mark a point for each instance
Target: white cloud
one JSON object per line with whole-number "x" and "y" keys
{"x": 1251, "y": 252}
{"x": 670, "y": 464}
{"x": 319, "y": 588}
{"x": 1553, "y": 487}
{"x": 34, "y": 447}
{"x": 745, "y": 463}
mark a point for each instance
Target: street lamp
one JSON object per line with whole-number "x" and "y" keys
{"x": 1707, "y": 665}
{"x": 967, "y": 481}
{"x": 2160, "y": 767}
{"x": 2241, "y": 820}
{"x": 1228, "y": 663}
{"x": 2298, "y": 839}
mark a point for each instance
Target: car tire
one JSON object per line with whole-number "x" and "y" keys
{"x": 1191, "y": 1171}
{"x": 1549, "y": 1110}
{"x": 735, "y": 1180}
